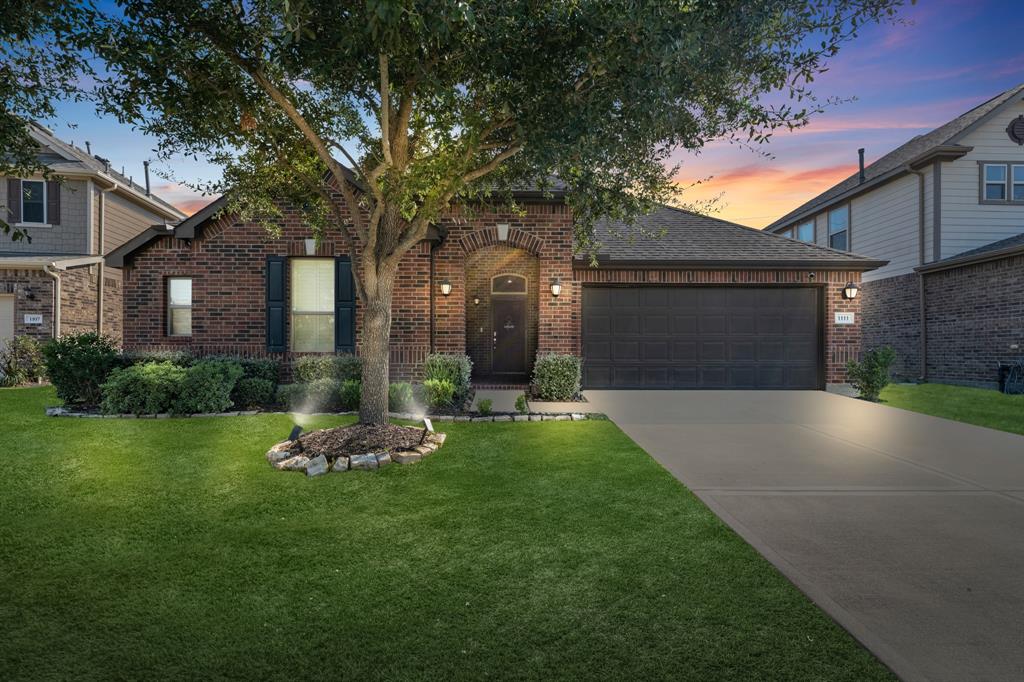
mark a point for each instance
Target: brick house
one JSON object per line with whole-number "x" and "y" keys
{"x": 56, "y": 281}
{"x": 944, "y": 209}
{"x": 710, "y": 304}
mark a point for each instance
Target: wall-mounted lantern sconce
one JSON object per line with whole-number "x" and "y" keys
{"x": 446, "y": 288}
{"x": 476, "y": 300}
{"x": 30, "y": 294}
{"x": 811, "y": 276}
{"x": 850, "y": 291}
{"x": 556, "y": 287}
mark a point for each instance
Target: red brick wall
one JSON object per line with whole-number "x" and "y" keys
{"x": 78, "y": 301}
{"x": 892, "y": 317}
{"x": 842, "y": 342}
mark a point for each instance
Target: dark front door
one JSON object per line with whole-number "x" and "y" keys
{"x": 508, "y": 322}
{"x": 702, "y": 337}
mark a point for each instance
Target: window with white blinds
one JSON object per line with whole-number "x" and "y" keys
{"x": 312, "y": 294}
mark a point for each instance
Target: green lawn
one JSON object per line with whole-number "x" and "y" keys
{"x": 971, "y": 405}
{"x": 140, "y": 548}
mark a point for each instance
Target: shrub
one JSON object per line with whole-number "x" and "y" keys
{"x": 21, "y": 361}
{"x": 349, "y": 394}
{"x": 871, "y": 375}
{"x": 484, "y": 406}
{"x": 439, "y": 392}
{"x": 206, "y": 386}
{"x": 338, "y": 368}
{"x": 557, "y": 377}
{"x": 314, "y": 396}
{"x": 253, "y": 392}
{"x": 142, "y": 389}
{"x": 400, "y": 398}
{"x": 522, "y": 406}
{"x": 181, "y": 358}
{"x": 78, "y": 364}
{"x": 453, "y": 368}
{"x": 253, "y": 368}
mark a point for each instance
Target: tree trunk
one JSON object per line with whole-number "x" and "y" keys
{"x": 376, "y": 351}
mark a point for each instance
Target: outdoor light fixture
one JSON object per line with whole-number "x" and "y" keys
{"x": 556, "y": 287}
{"x": 850, "y": 291}
{"x": 295, "y": 432}
{"x": 428, "y": 428}
{"x": 30, "y": 294}
{"x": 446, "y": 288}
{"x": 476, "y": 300}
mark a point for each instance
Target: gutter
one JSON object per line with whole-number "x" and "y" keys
{"x": 846, "y": 265}
{"x": 984, "y": 257}
{"x": 100, "y": 267}
{"x": 922, "y": 311}
{"x": 51, "y": 270}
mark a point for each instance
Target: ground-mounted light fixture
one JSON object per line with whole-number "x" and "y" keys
{"x": 446, "y": 288}
{"x": 556, "y": 287}
{"x": 294, "y": 435}
{"x": 850, "y": 291}
{"x": 428, "y": 428}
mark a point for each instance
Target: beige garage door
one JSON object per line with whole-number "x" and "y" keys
{"x": 6, "y": 319}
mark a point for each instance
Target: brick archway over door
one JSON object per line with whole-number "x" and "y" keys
{"x": 488, "y": 236}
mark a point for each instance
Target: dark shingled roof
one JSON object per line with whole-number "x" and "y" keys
{"x": 689, "y": 238}
{"x": 1000, "y": 249}
{"x": 918, "y": 147}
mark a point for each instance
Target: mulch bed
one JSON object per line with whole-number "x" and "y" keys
{"x": 359, "y": 439}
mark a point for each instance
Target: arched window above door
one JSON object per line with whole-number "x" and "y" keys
{"x": 508, "y": 284}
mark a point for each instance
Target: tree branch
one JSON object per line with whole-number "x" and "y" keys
{"x": 385, "y": 110}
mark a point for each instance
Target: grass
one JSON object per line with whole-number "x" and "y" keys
{"x": 137, "y": 549}
{"x": 978, "y": 406}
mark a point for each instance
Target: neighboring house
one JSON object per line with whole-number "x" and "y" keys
{"x": 944, "y": 210}
{"x": 709, "y": 305}
{"x": 56, "y": 282}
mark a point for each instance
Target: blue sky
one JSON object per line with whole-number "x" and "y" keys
{"x": 907, "y": 79}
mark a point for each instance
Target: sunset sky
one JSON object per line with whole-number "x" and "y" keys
{"x": 907, "y": 79}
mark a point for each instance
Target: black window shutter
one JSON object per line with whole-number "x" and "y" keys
{"x": 13, "y": 200}
{"x": 275, "y": 304}
{"x": 344, "y": 307}
{"x": 53, "y": 202}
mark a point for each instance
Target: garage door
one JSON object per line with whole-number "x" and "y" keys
{"x": 701, "y": 337}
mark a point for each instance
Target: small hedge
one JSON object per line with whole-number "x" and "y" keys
{"x": 78, "y": 364}
{"x": 871, "y": 375}
{"x": 207, "y": 386}
{"x": 252, "y": 392}
{"x": 350, "y": 393}
{"x": 557, "y": 377}
{"x": 147, "y": 388}
{"x": 337, "y": 368}
{"x": 439, "y": 393}
{"x": 21, "y": 362}
{"x": 453, "y": 368}
{"x": 321, "y": 395}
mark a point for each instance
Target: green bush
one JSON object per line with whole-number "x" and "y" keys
{"x": 253, "y": 368}
{"x": 147, "y": 388}
{"x": 309, "y": 368}
{"x": 21, "y": 361}
{"x": 206, "y": 387}
{"x": 78, "y": 364}
{"x": 557, "y": 377}
{"x": 313, "y": 396}
{"x": 522, "y": 406}
{"x": 871, "y": 375}
{"x": 400, "y": 397}
{"x": 181, "y": 358}
{"x": 251, "y": 392}
{"x": 484, "y": 406}
{"x": 439, "y": 393}
{"x": 349, "y": 394}
{"x": 454, "y": 368}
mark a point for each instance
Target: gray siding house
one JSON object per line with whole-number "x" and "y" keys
{"x": 946, "y": 210}
{"x": 55, "y": 281}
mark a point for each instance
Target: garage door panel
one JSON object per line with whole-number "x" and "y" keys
{"x": 701, "y": 337}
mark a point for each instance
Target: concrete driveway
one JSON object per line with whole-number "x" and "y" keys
{"x": 907, "y": 529}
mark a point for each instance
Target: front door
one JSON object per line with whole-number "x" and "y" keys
{"x": 508, "y": 322}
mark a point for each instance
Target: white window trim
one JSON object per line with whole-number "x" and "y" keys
{"x": 172, "y": 306}
{"x": 46, "y": 222}
{"x": 293, "y": 311}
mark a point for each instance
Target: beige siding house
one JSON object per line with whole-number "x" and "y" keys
{"x": 55, "y": 281}
{"x": 953, "y": 195}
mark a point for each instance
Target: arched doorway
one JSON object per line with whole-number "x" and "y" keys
{"x": 508, "y": 324}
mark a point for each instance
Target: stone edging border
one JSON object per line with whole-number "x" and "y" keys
{"x": 532, "y": 416}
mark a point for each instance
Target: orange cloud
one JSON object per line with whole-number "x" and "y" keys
{"x": 757, "y": 195}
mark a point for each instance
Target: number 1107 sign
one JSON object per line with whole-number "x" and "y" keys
{"x": 844, "y": 318}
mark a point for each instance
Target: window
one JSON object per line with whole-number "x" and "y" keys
{"x": 839, "y": 228}
{"x": 1017, "y": 183}
{"x": 508, "y": 284}
{"x": 995, "y": 182}
{"x": 805, "y": 231}
{"x": 179, "y": 306}
{"x": 312, "y": 305}
{"x": 33, "y": 201}
{"x": 787, "y": 233}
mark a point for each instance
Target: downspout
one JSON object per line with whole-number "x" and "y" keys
{"x": 922, "y": 321}
{"x": 51, "y": 270}
{"x": 101, "y": 245}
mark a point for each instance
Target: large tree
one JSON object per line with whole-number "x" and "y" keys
{"x": 376, "y": 115}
